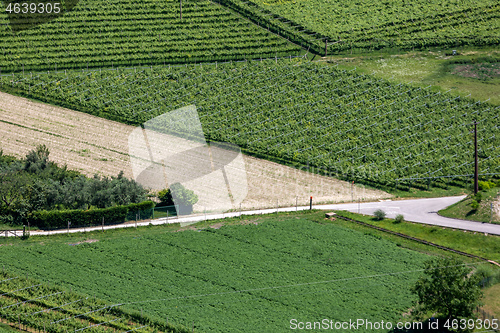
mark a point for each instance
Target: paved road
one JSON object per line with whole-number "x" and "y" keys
{"x": 417, "y": 210}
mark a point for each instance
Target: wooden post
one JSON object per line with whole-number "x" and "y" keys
{"x": 476, "y": 167}
{"x": 103, "y": 224}
{"x": 326, "y": 47}
{"x": 180, "y": 2}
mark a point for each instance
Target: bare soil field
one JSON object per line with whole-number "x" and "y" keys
{"x": 94, "y": 145}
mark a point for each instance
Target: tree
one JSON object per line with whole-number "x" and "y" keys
{"x": 448, "y": 289}
{"x": 37, "y": 160}
{"x": 178, "y": 195}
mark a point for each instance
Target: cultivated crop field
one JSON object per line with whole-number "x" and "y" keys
{"x": 372, "y": 25}
{"x": 348, "y": 124}
{"x": 254, "y": 277}
{"x": 93, "y": 145}
{"x": 117, "y": 32}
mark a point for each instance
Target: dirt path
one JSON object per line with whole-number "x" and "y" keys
{"x": 93, "y": 145}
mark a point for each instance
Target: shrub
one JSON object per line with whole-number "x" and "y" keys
{"x": 379, "y": 215}
{"x": 486, "y": 185}
{"x": 399, "y": 218}
{"x": 474, "y": 205}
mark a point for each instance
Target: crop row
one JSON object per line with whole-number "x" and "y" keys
{"x": 375, "y": 26}
{"x": 351, "y": 125}
{"x": 131, "y": 33}
{"x": 30, "y": 304}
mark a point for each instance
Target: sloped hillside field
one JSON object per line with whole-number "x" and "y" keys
{"x": 400, "y": 24}
{"x": 350, "y": 125}
{"x": 117, "y": 32}
{"x": 240, "y": 278}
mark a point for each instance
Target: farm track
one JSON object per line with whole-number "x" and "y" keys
{"x": 94, "y": 145}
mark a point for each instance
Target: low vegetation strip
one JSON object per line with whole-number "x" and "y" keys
{"x": 475, "y": 243}
{"x": 286, "y": 266}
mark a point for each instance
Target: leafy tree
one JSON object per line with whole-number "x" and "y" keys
{"x": 448, "y": 288}
{"x": 178, "y": 195}
{"x": 37, "y": 160}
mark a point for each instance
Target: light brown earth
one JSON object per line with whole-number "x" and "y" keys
{"x": 94, "y": 145}
{"x": 496, "y": 207}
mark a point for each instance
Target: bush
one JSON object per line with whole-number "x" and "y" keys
{"x": 379, "y": 215}
{"x": 474, "y": 205}
{"x": 488, "y": 275}
{"x": 486, "y": 185}
{"x": 399, "y": 218}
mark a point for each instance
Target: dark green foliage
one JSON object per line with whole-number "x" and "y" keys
{"x": 399, "y": 218}
{"x": 60, "y": 218}
{"x": 379, "y": 215}
{"x": 180, "y": 196}
{"x": 448, "y": 289}
{"x": 36, "y": 184}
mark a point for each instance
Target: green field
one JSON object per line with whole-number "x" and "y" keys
{"x": 124, "y": 32}
{"x": 245, "y": 278}
{"x": 370, "y": 25}
{"x": 346, "y": 124}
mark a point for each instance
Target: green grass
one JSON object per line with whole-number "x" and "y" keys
{"x": 433, "y": 68}
{"x": 138, "y": 265}
{"x": 492, "y": 300}
{"x": 462, "y": 210}
{"x": 469, "y": 242}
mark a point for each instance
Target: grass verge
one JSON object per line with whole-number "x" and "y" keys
{"x": 463, "y": 210}
{"x": 462, "y": 74}
{"x": 465, "y": 241}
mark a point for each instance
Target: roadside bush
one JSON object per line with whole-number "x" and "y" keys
{"x": 486, "y": 185}
{"x": 379, "y": 215}
{"x": 474, "y": 205}
{"x": 399, "y": 218}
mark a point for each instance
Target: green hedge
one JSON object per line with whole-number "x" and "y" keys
{"x": 60, "y": 218}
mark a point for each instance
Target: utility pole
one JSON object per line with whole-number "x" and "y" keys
{"x": 180, "y": 2}
{"x": 476, "y": 167}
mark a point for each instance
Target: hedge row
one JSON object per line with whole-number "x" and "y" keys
{"x": 60, "y": 218}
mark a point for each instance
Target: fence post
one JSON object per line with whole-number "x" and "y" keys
{"x": 103, "y": 224}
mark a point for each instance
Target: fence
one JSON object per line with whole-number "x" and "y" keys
{"x": 488, "y": 320}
